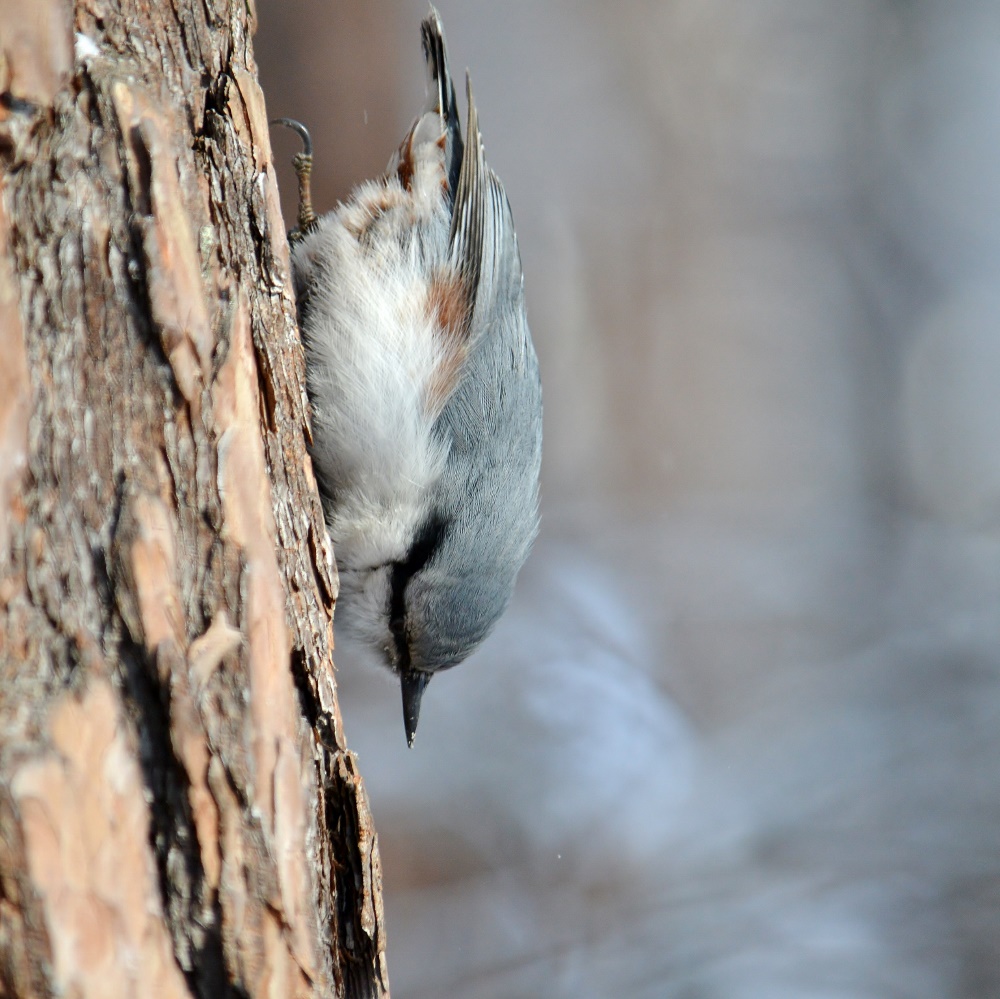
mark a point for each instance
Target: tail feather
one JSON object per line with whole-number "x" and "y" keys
{"x": 441, "y": 93}
{"x": 483, "y": 247}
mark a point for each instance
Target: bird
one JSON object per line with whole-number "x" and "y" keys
{"x": 424, "y": 388}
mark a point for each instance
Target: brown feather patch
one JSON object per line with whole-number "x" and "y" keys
{"x": 404, "y": 171}
{"x": 449, "y": 312}
{"x": 448, "y": 303}
{"x": 360, "y": 218}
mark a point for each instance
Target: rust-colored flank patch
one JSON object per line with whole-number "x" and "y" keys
{"x": 449, "y": 311}
{"x": 448, "y": 303}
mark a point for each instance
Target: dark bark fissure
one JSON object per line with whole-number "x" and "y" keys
{"x": 193, "y": 919}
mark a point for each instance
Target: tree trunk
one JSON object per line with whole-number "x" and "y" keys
{"x": 179, "y": 814}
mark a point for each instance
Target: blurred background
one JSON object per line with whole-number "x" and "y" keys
{"x": 738, "y": 734}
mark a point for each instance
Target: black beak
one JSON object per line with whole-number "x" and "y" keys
{"x": 413, "y": 682}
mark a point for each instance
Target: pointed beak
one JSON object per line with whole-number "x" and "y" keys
{"x": 413, "y": 683}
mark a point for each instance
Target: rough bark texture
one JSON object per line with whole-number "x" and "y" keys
{"x": 179, "y": 814}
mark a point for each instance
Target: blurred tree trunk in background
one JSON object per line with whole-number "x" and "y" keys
{"x": 179, "y": 814}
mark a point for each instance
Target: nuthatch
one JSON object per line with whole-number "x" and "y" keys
{"x": 426, "y": 399}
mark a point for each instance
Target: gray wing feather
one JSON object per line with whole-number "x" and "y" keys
{"x": 483, "y": 247}
{"x": 468, "y": 220}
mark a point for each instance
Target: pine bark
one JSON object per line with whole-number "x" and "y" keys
{"x": 179, "y": 813}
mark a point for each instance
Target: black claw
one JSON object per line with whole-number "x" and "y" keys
{"x": 300, "y": 130}
{"x": 302, "y": 163}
